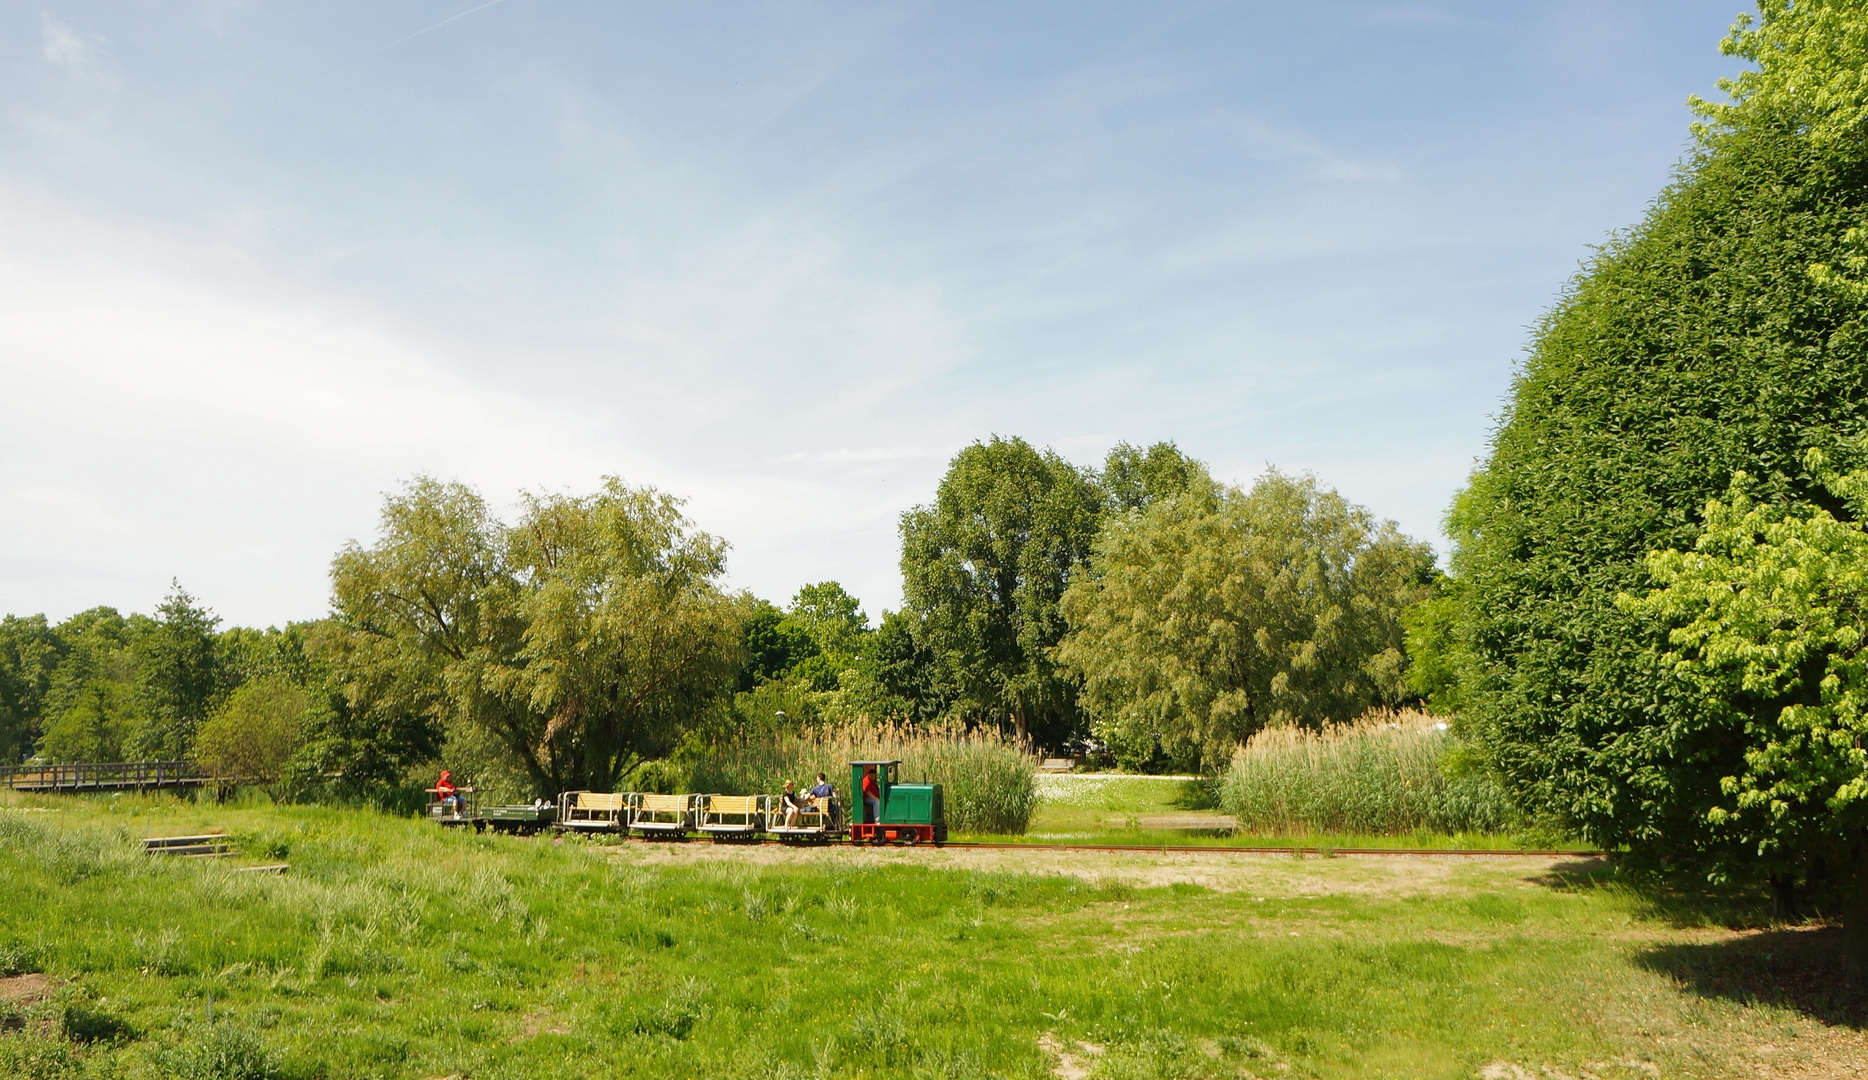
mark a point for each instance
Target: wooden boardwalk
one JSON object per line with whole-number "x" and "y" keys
{"x": 112, "y": 776}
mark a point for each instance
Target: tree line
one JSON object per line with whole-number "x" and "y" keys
{"x": 1140, "y": 606}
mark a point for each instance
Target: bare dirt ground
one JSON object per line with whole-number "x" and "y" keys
{"x": 23, "y": 989}
{"x": 1221, "y": 871}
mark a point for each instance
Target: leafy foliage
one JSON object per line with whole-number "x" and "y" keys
{"x": 774, "y": 645}
{"x": 1135, "y": 478}
{"x": 254, "y": 734}
{"x": 94, "y": 703}
{"x": 984, "y": 568}
{"x": 1766, "y": 615}
{"x": 1696, "y": 346}
{"x": 181, "y": 677}
{"x": 30, "y": 651}
{"x": 581, "y": 641}
{"x": 1206, "y": 620}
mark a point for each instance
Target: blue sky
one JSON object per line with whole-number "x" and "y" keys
{"x": 259, "y": 262}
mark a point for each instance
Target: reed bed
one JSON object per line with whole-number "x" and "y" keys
{"x": 989, "y": 779}
{"x": 1388, "y": 773}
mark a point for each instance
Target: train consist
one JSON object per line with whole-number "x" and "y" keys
{"x": 887, "y": 811}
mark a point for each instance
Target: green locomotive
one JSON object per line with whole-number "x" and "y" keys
{"x": 885, "y": 811}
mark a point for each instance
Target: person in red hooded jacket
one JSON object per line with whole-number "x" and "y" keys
{"x": 872, "y": 796}
{"x": 449, "y": 796}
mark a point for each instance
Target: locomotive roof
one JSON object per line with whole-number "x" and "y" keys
{"x": 897, "y": 761}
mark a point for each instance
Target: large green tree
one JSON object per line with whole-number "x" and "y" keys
{"x": 95, "y": 706}
{"x": 1766, "y": 619}
{"x": 181, "y": 676}
{"x": 30, "y": 652}
{"x": 984, "y": 567}
{"x": 1208, "y": 618}
{"x": 1722, "y": 334}
{"x": 581, "y": 640}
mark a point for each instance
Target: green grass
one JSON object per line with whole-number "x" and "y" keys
{"x": 396, "y": 949}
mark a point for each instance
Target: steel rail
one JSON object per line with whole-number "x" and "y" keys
{"x": 1141, "y": 849}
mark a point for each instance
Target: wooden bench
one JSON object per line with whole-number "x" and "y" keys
{"x": 730, "y": 814}
{"x": 204, "y": 846}
{"x": 593, "y": 811}
{"x": 1057, "y": 765}
{"x": 662, "y": 813}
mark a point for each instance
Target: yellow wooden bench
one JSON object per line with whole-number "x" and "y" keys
{"x": 595, "y": 811}
{"x": 730, "y": 814}
{"x": 662, "y": 813}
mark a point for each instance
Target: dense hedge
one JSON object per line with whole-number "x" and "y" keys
{"x": 1697, "y": 344}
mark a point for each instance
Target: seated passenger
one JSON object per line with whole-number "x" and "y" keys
{"x": 823, "y": 793}
{"x": 793, "y": 803}
{"x": 448, "y": 796}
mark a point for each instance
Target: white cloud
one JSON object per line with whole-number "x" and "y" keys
{"x": 170, "y": 415}
{"x": 67, "y": 49}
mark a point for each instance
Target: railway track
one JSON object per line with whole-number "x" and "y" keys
{"x": 1151, "y": 849}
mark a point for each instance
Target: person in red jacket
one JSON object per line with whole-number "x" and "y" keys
{"x": 872, "y": 797}
{"x": 447, "y": 794}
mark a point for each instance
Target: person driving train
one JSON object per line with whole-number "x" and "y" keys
{"x": 872, "y": 797}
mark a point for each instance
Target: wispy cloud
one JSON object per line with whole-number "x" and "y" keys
{"x": 68, "y": 50}
{"x": 439, "y": 25}
{"x": 877, "y": 453}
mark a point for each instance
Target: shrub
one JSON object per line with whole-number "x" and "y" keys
{"x": 989, "y": 780}
{"x": 222, "y": 1052}
{"x": 1389, "y": 772}
{"x": 37, "y": 1054}
{"x": 251, "y": 737}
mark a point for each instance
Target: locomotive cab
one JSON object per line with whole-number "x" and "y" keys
{"x": 910, "y": 813}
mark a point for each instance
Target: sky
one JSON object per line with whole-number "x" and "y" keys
{"x": 261, "y": 263}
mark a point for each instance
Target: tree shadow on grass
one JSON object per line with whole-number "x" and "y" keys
{"x": 1679, "y": 903}
{"x": 1197, "y": 794}
{"x": 1798, "y": 968}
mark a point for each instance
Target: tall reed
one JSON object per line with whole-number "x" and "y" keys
{"x": 989, "y": 781}
{"x": 1387, "y": 773}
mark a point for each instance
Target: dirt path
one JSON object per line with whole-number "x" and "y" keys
{"x": 1262, "y": 875}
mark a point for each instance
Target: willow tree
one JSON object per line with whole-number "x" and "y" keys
{"x": 1207, "y": 617}
{"x": 1723, "y": 334}
{"x": 582, "y": 639}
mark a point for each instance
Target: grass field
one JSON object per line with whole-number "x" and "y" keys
{"x": 394, "y": 949}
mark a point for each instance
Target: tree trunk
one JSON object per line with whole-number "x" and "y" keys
{"x": 1855, "y": 917}
{"x": 1784, "y": 899}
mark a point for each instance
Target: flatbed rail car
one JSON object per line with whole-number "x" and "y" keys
{"x": 726, "y": 816}
{"x": 819, "y": 820}
{"x": 663, "y": 815}
{"x": 524, "y": 819}
{"x": 593, "y": 811}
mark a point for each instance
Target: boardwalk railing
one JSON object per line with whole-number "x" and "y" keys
{"x": 113, "y": 776}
